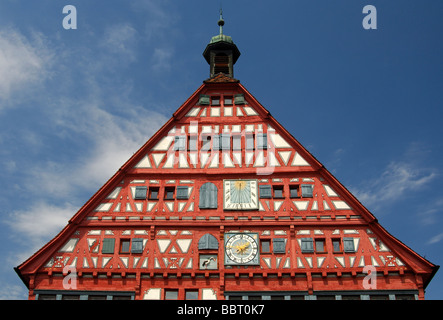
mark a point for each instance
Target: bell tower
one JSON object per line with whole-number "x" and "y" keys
{"x": 221, "y": 53}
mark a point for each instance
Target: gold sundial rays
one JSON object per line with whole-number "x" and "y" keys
{"x": 241, "y": 192}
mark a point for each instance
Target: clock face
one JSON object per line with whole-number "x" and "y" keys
{"x": 241, "y": 248}
{"x": 240, "y": 195}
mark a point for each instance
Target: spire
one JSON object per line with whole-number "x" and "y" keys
{"x": 221, "y": 22}
{"x": 221, "y": 53}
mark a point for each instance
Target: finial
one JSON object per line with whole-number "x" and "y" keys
{"x": 221, "y": 22}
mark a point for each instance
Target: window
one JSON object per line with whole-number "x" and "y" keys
{"x": 225, "y": 140}
{"x": 182, "y": 193}
{"x": 206, "y": 143}
{"x": 279, "y": 245}
{"x": 208, "y": 196}
{"x": 70, "y": 297}
{"x": 192, "y": 143}
{"x": 208, "y": 242}
{"x": 307, "y": 245}
{"x": 169, "y": 193}
{"x": 140, "y": 193}
{"x": 137, "y": 245}
{"x": 216, "y": 142}
{"x": 278, "y": 192}
{"x": 124, "y": 245}
{"x": 47, "y": 297}
{"x": 265, "y": 246}
{"x": 180, "y": 143}
{"x": 121, "y": 297}
{"x": 319, "y": 245}
{"x": 404, "y": 297}
{"x": 336, "y": 245}
{"x": 108, "y": 245}
{"x": 236, "y": 142}
{"x": 228, "y": 100}
{"x": 239, "y": 99}
{"x": 262, "y": 141}
{"x": 171, "y": 294}
{"x": 306, "y": 190}
{"x": 265, "y": 191}
{"x": 203, "y": 100}
{"x": 97, "y": 297}
{"x": 249, "y": 142}
{"x": 348, "y": 245}
{"x": 191, "y": 294}
{"x": 293, "y": 190}
{"x": 153, "y": 193}
{"x": 215, "y": 101}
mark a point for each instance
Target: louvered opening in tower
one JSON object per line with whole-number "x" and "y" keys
{"x": 221, "y": 63}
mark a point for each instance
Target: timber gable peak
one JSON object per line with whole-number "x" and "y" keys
{"x": 221, "y": 171}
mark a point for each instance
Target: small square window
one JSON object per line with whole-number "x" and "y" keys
{"x": 278, "y": 192}
{"x": 265, "y": 191}
{"x": 137, "y": 245}
{"x": 279, "y": 245}
{"x": 319, "y": 245}
{"x": 203, "y": 100}
{"x": 307, "y": 245}
{"x": 140, "y": 193}
{"x": 293, "y": 190}
{"x": 215, "y": 101}
{"x": 265, "y": 246}
{"x": 239, "y": 99}
{"x": 124, "y": 245}
{"x": 228, "y": 101}
{"x": 182, "y": 193}
{"x": 171, "y": 294}
{"x": 306, "y": 190}
{"x": 348, "y": 245}
{"x": 336, "y": 245}
{"x": 169, "y": 193}
{"x": 153, "y": 193}
{"x": 180, "y": 143}
{"x": 108, "y": 245}
{"x": 191, "y": 294}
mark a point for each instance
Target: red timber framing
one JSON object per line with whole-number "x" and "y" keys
{"x": 147, "y": 233}
{"x": 224, "y": 203}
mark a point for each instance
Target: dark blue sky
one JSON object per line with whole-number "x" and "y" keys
{"x": 76, "y": 104}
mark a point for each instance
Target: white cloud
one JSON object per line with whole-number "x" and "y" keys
{"x": 397, "y": 180}
{"x": 121, "y": 39}
{"x": 40, "y": 221}
{"x": 23, "y": 62}
{"x": 110, "y": 139}
{"x": 436, "y": 239}
{"x": 12, "y": 292}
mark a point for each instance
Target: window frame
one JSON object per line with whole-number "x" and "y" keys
{"x": 154, "y": 189}
{"x": 279, "y": 188}
{"x": 140, "y": 192}
{"x": 307, "y": 245}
